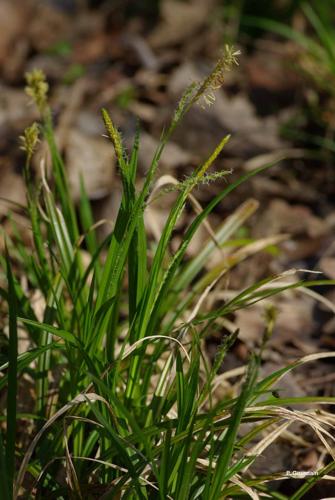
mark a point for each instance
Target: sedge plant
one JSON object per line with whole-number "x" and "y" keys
{"x": 124, "y": 398}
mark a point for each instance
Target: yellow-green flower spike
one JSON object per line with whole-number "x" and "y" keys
{"x": 29, "y": 140}
{"x": 113, "y": 134}
{"x": 37, "y": 88}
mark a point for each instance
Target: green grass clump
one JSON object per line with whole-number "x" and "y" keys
{"x": 124, "y": 398}
{"x": 314, "y": 59}
{"x": 318, "y": 57}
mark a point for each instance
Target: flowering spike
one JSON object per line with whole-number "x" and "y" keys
{"x": 37, "y": 88}
{"x": 29, "y": 140}
{"x": 114, "y": 135}
{"x": 215, "y": 80}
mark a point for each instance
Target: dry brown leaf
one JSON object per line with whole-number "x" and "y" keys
{"x": 327, "y": 266}
{"x": 173, "y": 155}
{"x": 268, "y": 70}
{"x": 12, "y": 17}
{"x": 294, "y": 219}
{"x": 11, "y": 188}
{"x": 48, "y": 26}
{"x": 94, "y": 159}
{"x": 180, "y": 20}
{"x": 14, "y": 110}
